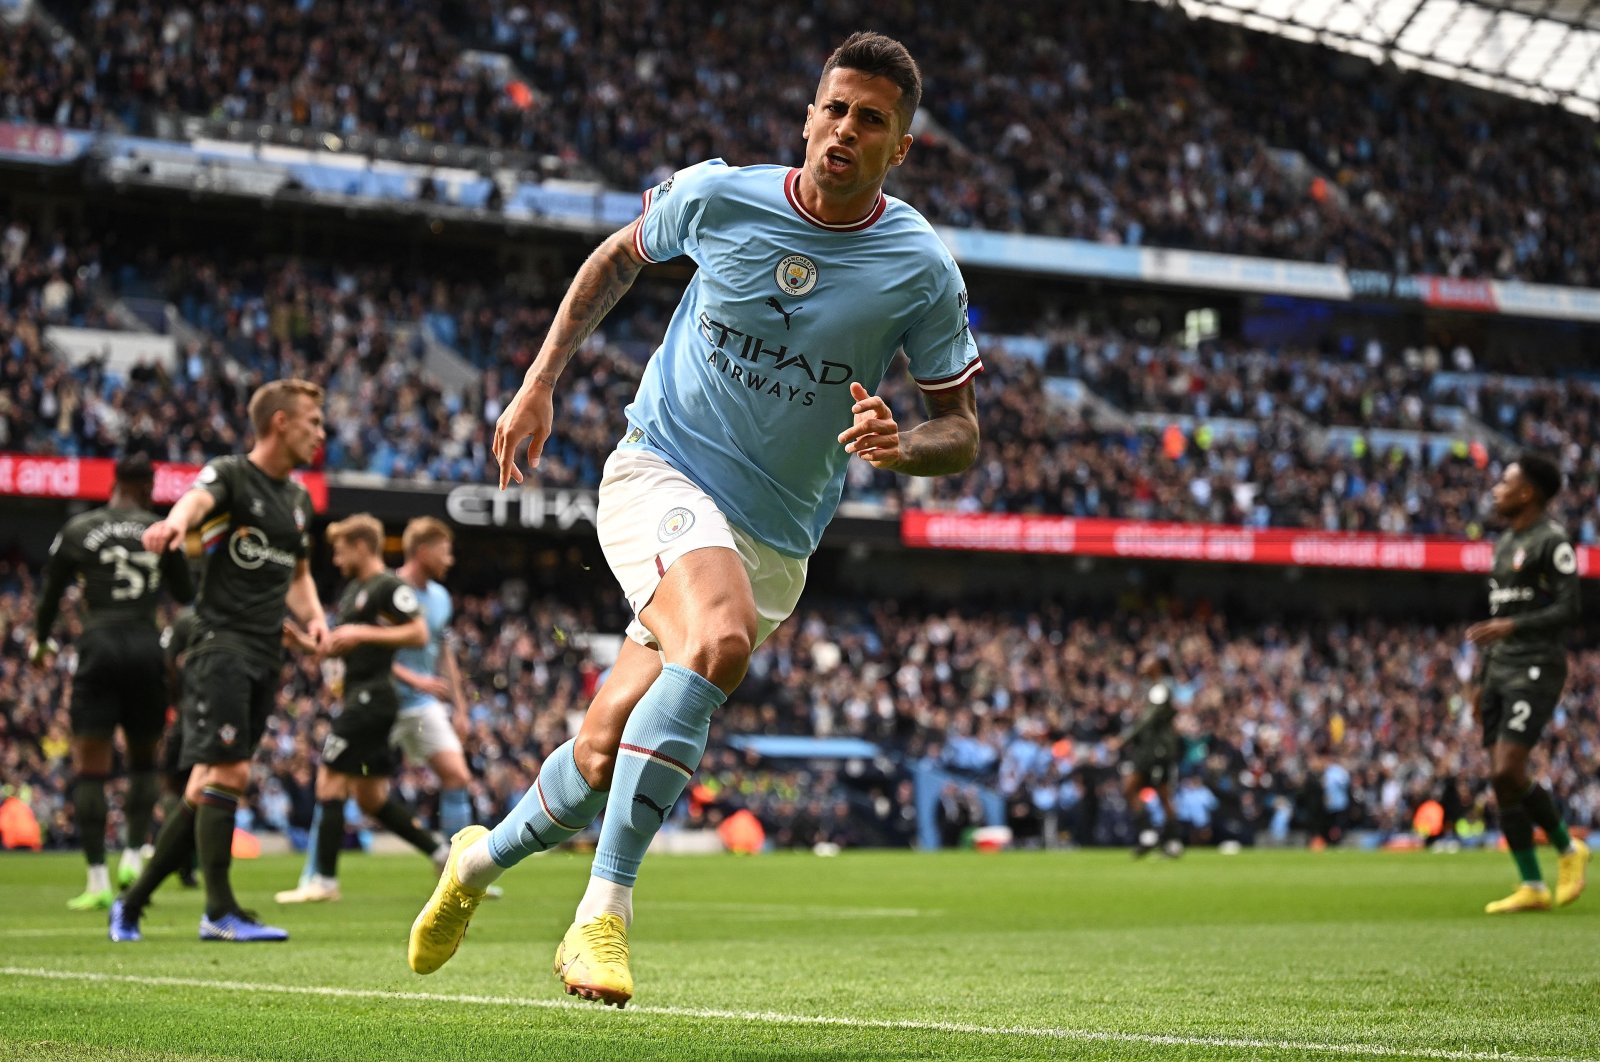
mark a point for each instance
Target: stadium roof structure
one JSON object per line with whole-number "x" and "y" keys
{"x": 1543, "y": 50}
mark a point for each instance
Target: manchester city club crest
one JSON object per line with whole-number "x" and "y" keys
{"x": 797, "y": 275}
{"x": 674, "y": 524}
{"x": 1517, "y": 558}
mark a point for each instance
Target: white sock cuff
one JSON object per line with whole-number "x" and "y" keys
{"x": 606, "y": 897}
{"x": 476, "y": 868}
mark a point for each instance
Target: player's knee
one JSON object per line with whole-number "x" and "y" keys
{"x": 595, "y": 760}
{"x": 1509, "y": 784}
{"x": 721, "y": 654}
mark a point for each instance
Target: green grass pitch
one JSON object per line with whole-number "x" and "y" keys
{"x": 1080, "y": 955}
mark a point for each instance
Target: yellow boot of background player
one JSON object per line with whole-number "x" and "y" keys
{"x": 1526, "y": 898}
{"x": 1572, "y": 873}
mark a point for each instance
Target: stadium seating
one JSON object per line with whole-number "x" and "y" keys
{"x": 1125, "y": 124}
{"x": 1379, "y": 442}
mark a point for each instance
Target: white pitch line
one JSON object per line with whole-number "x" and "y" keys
{"x": 812, "y": 1020}
{"x": 793, "y": 910}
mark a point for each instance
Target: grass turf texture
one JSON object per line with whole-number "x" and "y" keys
{"x": 1083, "y": 955}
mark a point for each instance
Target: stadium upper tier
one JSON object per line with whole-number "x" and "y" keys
{"x": 1108, "y": 121}
{"x": 1021, "y": 702}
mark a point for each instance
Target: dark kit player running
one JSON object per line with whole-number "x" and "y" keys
{"x": 253, "y": 522}
{"x": 378, "y": 614}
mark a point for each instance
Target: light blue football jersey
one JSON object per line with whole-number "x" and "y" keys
{"x": 436, "y": 609}
{"x": 750, "y": 388}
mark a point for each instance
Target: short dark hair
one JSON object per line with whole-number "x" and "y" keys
{"x": 875, "y": 55}
{"x": 1543, "y": 473}
{"x": 135, "y": 469}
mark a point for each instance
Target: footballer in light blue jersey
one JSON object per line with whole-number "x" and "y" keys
{"x": 424, "y": 659}
{"x": 751, "y": 386}
{"x": 810, "y": 281}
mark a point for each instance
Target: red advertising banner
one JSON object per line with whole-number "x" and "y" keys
{"x": 1450, "y": 293}
{"x": 89, "y": 479}
{"x": 1203, "y": 542}
{"x": 33, "y": 141}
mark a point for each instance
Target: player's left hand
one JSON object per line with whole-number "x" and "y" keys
{"x": 1489, "y": 631}
{"x": 317, "y": 631}
{"x": 340, "y": 641}
{"x": 874, "y": 437}
{"x": 295, "y": 638}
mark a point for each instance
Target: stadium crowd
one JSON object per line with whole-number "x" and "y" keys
{"x": 1320, "y": 725}
{"x": 358, "y": 332}
{"x": 1129, "y": 123}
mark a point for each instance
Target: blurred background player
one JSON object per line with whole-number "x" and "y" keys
{"x": 175, "y": 642}
{"x": 253, "y": 519}
{"x": 1533, "y": 599}
{"x": 740, "y": 436}
{"x": 1150, "y": 750}
{"x": 120, "y": 672}
{"x": 378, "y": 614}
{"x": 430, "y": 677}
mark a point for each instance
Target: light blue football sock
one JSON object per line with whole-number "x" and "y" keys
{"x": 557, "y": 805}
{"x": 661, "y": 747}
{"x": 455, "y": 811}
{"x": 309, "y": 871}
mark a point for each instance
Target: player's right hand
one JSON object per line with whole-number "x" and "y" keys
{"x": 435, "y": 687}
{"x": 529, "y": 416}
{"x": 40, "y": 654}
{"x": 161, "y": 536}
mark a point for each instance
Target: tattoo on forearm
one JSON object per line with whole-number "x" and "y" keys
{"x": 947, "y": 442}
{"x": 604, "y": 278}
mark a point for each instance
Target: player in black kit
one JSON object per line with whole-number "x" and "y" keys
{"x": 378, "y": 614}
{"x": 1533, "y": 599}
{"x": 118, "y": 681}
{"x": 1150, "y": 751}
{"x": 253, "y": 521}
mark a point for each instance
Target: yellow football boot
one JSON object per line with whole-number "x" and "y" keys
{"x": 437, "y": 932}
{"x": 1526, "y": 898}
{"x": 592, "y": 961}
{"x": 1572, "y": 873}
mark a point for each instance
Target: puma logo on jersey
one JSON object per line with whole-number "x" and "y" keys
{"x": 776, "y": 305}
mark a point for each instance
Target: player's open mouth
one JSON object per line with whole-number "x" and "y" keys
{"x": 837, "y": 161}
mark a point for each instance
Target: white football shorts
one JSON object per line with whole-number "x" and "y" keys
{"x": 650, "y": 514}
{"x": 421, "y": 733}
